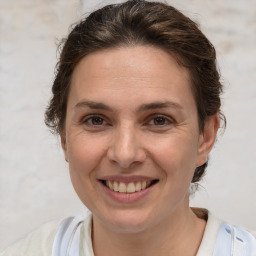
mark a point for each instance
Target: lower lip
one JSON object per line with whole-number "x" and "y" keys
{"x": 127, "y": 197}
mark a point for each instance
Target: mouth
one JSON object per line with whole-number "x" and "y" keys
{"x": 128, "y": 187}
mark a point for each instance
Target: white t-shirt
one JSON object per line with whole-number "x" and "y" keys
{"x": 40, "y": 242}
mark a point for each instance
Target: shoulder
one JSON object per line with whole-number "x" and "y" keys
{"x": 71, "y": 231}
{"x": 223, "y": 239}
{"x": 235, "y": 239}
{"x": 38, "y": 242}
{"x": 54, "y": 237}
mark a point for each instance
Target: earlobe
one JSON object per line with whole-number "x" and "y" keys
{"x": 64, "y": 146}
{"x": 207, "y": 138}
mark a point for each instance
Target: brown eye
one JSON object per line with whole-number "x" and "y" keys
{"x": 160, "y": 121}
{"x": 97, "y": 120}
{"x": 94, "y": 121}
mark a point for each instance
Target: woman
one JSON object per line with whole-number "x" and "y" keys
{"x": 136, "y": 102}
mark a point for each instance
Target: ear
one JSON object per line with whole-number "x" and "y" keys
{"x": 64, "y": 145}
{"x": 207, "y": 138}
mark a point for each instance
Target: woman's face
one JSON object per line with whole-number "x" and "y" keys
{"x": 132, "y": 122}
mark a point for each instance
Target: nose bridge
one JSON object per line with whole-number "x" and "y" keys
{"x": 126, "y": 149}
{"x": 126, "y": 141}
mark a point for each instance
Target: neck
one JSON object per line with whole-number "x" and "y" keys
{"x": 178, "y": 234}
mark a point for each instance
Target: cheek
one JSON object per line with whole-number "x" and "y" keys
{"x": 84, "y": 155}
{"x": 176, "y": 156}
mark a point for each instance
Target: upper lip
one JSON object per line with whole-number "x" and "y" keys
{"x": 127, "y": 179}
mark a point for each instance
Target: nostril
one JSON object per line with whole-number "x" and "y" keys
{"x": 125, "y": 151}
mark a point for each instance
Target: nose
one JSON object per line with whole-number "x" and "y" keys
{"x": 126, "y": 149}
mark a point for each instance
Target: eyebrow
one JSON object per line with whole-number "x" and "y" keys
{"x": 93, "y": 105}
{"x": 143, "y": 107}
{"x": 156, "y": 105}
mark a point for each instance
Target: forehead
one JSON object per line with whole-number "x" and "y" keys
{"x": 132, "y": 74}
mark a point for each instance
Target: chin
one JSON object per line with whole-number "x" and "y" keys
{"x": 127, "y": 221}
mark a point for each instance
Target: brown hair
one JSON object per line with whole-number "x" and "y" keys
{"x": 140, "y": 23}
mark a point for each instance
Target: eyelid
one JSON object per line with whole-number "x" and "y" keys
{"x": 85, "y": 119}
{"x": 107, "y": 122}
{"x": 169, "y": 119}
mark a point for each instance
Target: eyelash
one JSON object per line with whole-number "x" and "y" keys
{"x": 167, "y": 120}
{"x": 88, "y": 120}
{"x": 93, "y": 117}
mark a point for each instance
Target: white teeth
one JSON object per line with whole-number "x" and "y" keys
{"x": 110, "y": 185}
{"x": 138, "y": 186}
{"x": 131, "y": 187}
{"x": 116, "y": 186}
{"x": 122, "y": 188}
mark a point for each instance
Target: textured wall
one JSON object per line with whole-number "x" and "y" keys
{"x": 34, "y": 180}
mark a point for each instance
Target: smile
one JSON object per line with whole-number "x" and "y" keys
{"x": 131, "y": 187}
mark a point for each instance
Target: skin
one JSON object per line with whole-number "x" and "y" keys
{"x": 126, "y": 138}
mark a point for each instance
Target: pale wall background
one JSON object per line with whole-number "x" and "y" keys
{"x": 34, "y": 179}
